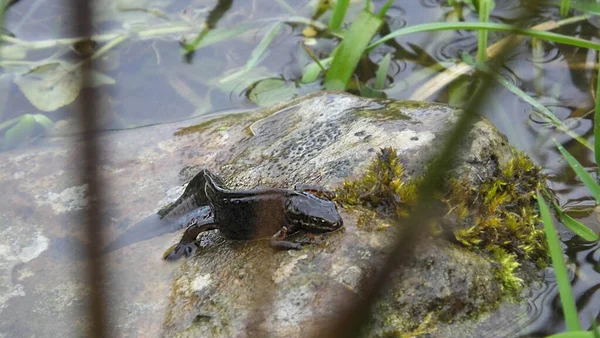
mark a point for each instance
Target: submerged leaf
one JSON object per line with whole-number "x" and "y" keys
{"x": 19, "y": 132}
{"x": 43, "y": 121}
{"x": 57, "y": 84}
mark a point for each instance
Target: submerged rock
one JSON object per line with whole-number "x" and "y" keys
{"x": 234, "y": 288}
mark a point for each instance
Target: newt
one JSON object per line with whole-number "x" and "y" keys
{"x": 256, "y": 213}
{"x": 207, "y": 204}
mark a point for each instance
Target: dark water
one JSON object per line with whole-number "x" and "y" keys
{"x": 153, "y": 84}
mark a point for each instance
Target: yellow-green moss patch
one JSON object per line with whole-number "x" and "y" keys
{"x": 498, "y": 216}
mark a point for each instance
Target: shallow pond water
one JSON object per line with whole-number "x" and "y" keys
{"x": 146, "y": 81}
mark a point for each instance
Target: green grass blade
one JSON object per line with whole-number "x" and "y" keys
{"x": 351, "y": 50}
{"x": 595, "y": 330}
{"x": 257, "y": 54}
{"x": 560, "y": 269}
{"x": 262, "y": 46}
{"x": 564, "y": 7}
{"x": 221, "y": 34}
{"x": 312, "y": 71}
{"x": 587, "y": 6}
{"x": 583, "y": 175}
{"x": 482, "y": 40}
{"x": 382, "y": 72}
{"x": 339, "y": 12}
{"x": 540, "y": 108}
{"x": 440, "y": 26}
{"x": 384, "y": 9}
{"x": 574, "y": 225}
{"x": 597, "y": 121}
{"x": 576, "y": 334}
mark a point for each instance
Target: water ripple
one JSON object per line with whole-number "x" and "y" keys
{"x": 551, "y": 53}
{"x": 453, "y": 48}
{"x": 430, "y": 3}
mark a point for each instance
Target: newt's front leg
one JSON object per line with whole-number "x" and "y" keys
{"x": 187, "y": 245}
{"x": 277, "y": 241}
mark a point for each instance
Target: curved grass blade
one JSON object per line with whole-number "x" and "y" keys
{"x": 589, "y": 7}
{"x": 597, "y": 121}
{"x": 439, "y": 26}
{"x": 257, "y": 54}
{"x": 314, "y": 69}
{"x": 560, "y": 269}
{"x": 540, "y": 108}
{"x": 351, "y": 50}
{"x": 574, "y": 334}
{"x": 574, "y": 225}
{"x": 583, "y": 175}
{"x": 211, "y": 21}
{"x": 384, "y": 9}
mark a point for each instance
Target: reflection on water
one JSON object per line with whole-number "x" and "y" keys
{"x": 583, "y": 262}
{"x": 40, "y": 237}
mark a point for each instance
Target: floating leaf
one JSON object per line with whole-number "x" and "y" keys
{"x": 271, "y": 91}
{"x": 57, "y": 84}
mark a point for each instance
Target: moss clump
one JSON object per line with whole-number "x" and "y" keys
{"x": 381, "y": 188}
{"x": 498, "y": 216}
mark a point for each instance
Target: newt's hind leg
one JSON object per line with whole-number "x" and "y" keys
{"x": 277, "y": 241}
{"x": 187, "y": 245}
{"x": 316, "y": 190}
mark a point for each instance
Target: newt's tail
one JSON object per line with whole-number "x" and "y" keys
{"x": 148, "y": 228}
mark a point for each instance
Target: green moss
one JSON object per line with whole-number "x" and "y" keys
{"x": 381, "y": 188}
{"x": 505, "y": 271}
{"x": 393, "y": 110}
{"x": 498, "y": 217}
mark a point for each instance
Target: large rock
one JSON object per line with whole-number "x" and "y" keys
{"x": 244, "y": 288}
{"x": 237, "y": 288}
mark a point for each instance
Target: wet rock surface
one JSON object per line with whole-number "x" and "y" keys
{"x": 236, "y": 288}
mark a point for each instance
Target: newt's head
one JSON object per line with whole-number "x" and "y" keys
{"x": 311, "y": 213}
